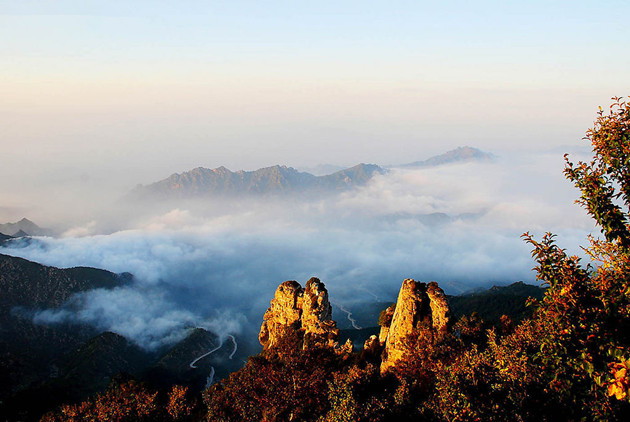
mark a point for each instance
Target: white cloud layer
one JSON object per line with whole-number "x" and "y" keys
{"x": 217, "y": 265}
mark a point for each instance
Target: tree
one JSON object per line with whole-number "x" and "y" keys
{"x": 605, "y": 181}
{"x": 585, "y": 314}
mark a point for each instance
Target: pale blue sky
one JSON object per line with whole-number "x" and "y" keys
{"x": 141, "y": 89}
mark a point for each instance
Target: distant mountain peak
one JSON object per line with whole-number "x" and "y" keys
{"x": 457, "y": 155}
{"x": 24, "y": 227}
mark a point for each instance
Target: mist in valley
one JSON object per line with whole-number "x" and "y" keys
{"x": 216, "y": 262}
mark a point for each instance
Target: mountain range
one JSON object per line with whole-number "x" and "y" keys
{"x": 30, "y": 354}
{"x": 281, "y": 180}
{"x": 24, "y": 227}
{"x": 45, "y": 364}
{"x": 275, "y": 180}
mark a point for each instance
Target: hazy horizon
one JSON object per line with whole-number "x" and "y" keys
{"x": 99, "y": 96}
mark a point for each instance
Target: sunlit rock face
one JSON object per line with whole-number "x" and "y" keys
{"x": 385, "y": 323}
{"x": 440, "y": 311}
{"x": 316, "y": 308}
{"x": 421, "y": 310}
{"x": 284, "y": 313}
{"x": 303, "y": 311}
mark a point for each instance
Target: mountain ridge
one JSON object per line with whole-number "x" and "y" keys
{"x": 274, "y": 180}
{"x": 457, "y": 155}
{"x": 24, "y": 227}
{"x": 45, "y": 364}
{"x": 281, "y": 179}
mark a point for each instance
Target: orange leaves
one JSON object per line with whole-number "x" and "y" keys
{"x": 178, "y": 406}
{"x": 619, "y": 386}
{"x": 127, "y": 402}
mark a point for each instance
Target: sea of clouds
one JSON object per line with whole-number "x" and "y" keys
{"x": 216, "y": 263}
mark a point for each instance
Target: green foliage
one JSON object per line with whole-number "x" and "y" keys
{"x": 584, "y": 317}
{"x": 471, "y": 329}
{"x": 606, "y": 179}
{"x": 497, "y": 301}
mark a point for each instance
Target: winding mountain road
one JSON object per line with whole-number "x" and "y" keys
{"x": 192, "y": 364}
{"x": 349, "y": 314}
{"x": 235, "y": 345}
{"x": 210, "y": 378}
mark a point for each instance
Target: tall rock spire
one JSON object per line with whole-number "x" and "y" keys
{"x": 421, "y": 310}
{"x": 303, "y": 311}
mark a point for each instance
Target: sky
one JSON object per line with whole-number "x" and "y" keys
{"x": 109, "y": 94}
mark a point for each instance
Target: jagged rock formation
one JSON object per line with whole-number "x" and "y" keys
{"x": 283, "y": 314}
{"x": 421, "y": 310}
{"x": 440, "y": 311}
{"x": 303, "y": 311}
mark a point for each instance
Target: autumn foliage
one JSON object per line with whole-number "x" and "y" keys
{"x": 130, "y": 401}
